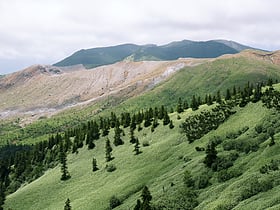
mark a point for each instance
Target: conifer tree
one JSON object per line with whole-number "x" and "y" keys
{"x": 171, "y": 126}
{"x": 210, "y": 100}
{"x": 218, "y": 97}
{"x": 67, "y": 205}
{"x": 117, "y": 137}
{"x": 133, "y": 122}
{"x": 185, "y": 104}
{"x": 180, "y": 108}
{"x": 63, "y": 161}
{"x": 161, "y": 112}
{"x": 228, "y": 95}
{"x": 132, "y": 137}
{"x": 136, "y": 147}
{"x": 108, "y": 150}
{"x": 138, "y": 205}
{"x": 194, "y": 104}
{"x": 166, "y": 118}
{"x": 94, "y": 164}
{"x": 211, "y": 154}
{"x": 146, "y": 198}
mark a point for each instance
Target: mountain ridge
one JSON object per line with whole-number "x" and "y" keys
{"x": 94, "y": 57}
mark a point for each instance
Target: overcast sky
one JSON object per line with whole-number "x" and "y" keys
{"x": 46, "y": 31}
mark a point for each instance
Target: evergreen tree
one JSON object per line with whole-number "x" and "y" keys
{"x": 117, "y": 137}
{"x": 166, "y": 119}
{"x": 210, "y": 100}
{"x": 133, "y": 122}
{"x": 211, "y": 154}
{"x": 185, "y": 104}
{"x": 228, "y": 95}
{"x": 138, "y": 205}
{"x": 108, "y": 150}
{"x": 179, "y": 108}
{"x": 171, "y": 126}
{"x": 136, "y": 147}
{"x": 67, "y": 205}
{"x": 161, "y": 112}
{"x": 94, "y": 164}
{"x": 155, "y": 122}
{"x": 63, "y": 161}
{"x": 146, "y": 198}
{"x": 194, "y": 104}
{"x": 132, "y": 137}
{"x": 218, "y": 97}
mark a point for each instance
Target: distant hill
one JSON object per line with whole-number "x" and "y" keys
{"x": 182, "y": 49}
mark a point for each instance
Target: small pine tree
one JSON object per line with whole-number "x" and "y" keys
{"x": 138, "y": 205}
{"x": 218, "y": 97}
{"x": 146, "y": 197}
{"x": 117, "y": 138}
{"x": 94, "y": 165}
{"x": 67, "y": 205}
{"x": 185, "y": 104}
{"x": 108, "y": 150}
{"x": 132, "y": 137}
{"x": 211, "y": 154}
{"x": 63, "y": 160}
{"x": 136, "y": 147}
{"x": 180, "y": 108}
{"x": 166, "y": 119}
{"x": 228, "y": 95}
{"x": 171, "y": 126}
{"x": 194, "y": 103}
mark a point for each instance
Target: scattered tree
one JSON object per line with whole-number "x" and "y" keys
{"x": 211, "y": 154}
{"x": 63, "y": 160}
{"x": 180, "y": 107}
{"x": 136, "y": 147}
{"x": 94, "y": 164}
{"x": 67, "y": 205}
{"x": 108, "y": 150}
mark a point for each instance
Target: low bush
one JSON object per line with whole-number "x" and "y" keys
{"x": 110, "y": 167}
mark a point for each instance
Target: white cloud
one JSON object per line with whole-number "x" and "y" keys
{"x": 40, "y": 31}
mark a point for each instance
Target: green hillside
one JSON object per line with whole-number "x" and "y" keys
{"x": 107, "y": 55}
{"x": 208, "y": 78}
{"x": 243, "y": 175}
{"x": 161, "y": 166}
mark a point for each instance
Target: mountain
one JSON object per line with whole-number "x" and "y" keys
{"x": 182, "y": 49}
{"x": 244, "y": 174}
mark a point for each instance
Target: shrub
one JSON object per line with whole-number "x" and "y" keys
{"x": 110, "y": 168}
{"x": 254, "y": 186}
{"x": 146, "y": 144}
{"x": 114, "y": 202}
{"x": 202, "y": 181}
{"x": 227, "y": 174}
{"x": 258, "y": 128}
{"x": 199, "y": 149}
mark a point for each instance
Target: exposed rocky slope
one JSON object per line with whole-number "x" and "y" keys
{"x": 48, "y": 89}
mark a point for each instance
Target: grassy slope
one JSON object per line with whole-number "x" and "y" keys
{"x": 157, "y": 166}
{"x": 204, "y": 79}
